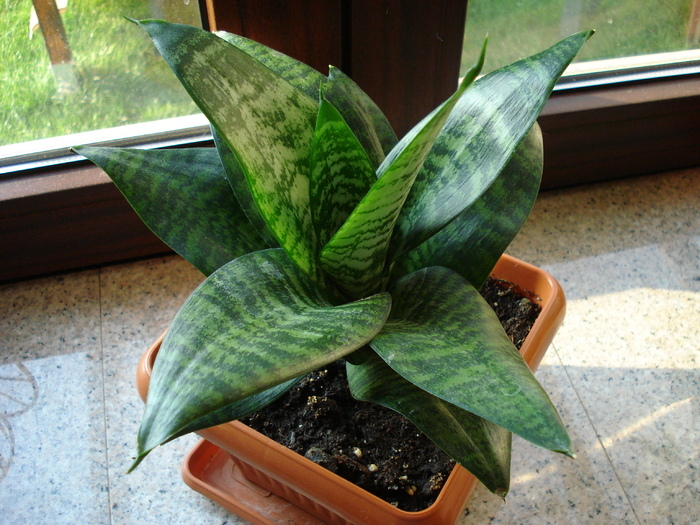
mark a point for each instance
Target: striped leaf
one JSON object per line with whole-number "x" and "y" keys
{"x": 231, "y": 412}
{"x": 267, "y": 123}
{"x": 480, "y": 446}
{"x": 300, "y": 75}
{"x": 444, "y": 338}
{"x": 183, "y": 197}
{"x": 355, "y": 256}
{"x": 236, "y": 178}
{"x": 479, "y": 138}
{"x": 472, "y": 243}
{"x": 360, "y": 112}
{"x": 341, "y": 172}
{"x": 255, "y": 323}
{"x": 362, "y": 115}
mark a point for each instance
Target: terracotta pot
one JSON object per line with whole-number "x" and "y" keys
{"x": 266, "y": 483}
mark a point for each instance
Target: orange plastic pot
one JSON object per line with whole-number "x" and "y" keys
{"x": 266, "y": 483}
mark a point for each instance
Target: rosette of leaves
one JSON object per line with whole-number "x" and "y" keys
{"x": 323, "y": 237}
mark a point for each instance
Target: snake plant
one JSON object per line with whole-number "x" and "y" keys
{"x": 322, "y": 236}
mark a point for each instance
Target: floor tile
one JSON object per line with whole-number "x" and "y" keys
{"x": 623, "y": 371}
{"x": 626, "y": 253}
{"x": 548, "y": 488}
{"x": 138, "y": 302}
{"x": 53, "y": 461}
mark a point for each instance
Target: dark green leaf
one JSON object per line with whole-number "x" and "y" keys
{"x": 478, "y": 445}
{"x": 472, "y": 243}
{"x": 255, "y": 323}
{"x": 362, "y": 115}
{"x": 483, "y": 131}
{"x": 183, "y": 197}
{"x": 443, "y": 337}
{"x": 355, "y": 257}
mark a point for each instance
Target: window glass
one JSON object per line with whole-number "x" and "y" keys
{"x": 93, "y": 70}
{"x": 661, "y": 31}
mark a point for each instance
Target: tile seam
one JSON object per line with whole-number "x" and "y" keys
{"x": 597, "y": 435}
{"x": 104, "y": 395}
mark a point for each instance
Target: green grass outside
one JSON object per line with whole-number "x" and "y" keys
{"x": 123, "y": 80}
{"x": 519, "y": 28}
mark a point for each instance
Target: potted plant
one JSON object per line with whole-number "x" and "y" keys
{"x": 324, "y": 237}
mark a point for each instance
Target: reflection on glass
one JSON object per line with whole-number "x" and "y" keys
{"x": 624, "y": 28}
{"x": 100, "y": 71}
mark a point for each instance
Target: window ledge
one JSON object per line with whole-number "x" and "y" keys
{"x": 73, "y": 216}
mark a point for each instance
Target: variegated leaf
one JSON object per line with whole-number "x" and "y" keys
{"x": 239, "y": 185}
{"x": 257, "y": 322}
{"x": 267, "y": 122}
{"x": 360, "y": 112}
{"x": 356, "y": 255}
{"x": 478, "y": 445}
{"x": 341, "y": 172}
{"x": 301, "y": 76}
{"x": 362, "y": 115}
{"x": 443, "y": 337}
{"x": 183, "y": 197}
{"x": 483, "y": 131}
{"x": 472, "y": 243}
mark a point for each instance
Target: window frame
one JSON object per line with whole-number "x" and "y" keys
{"x": 72, "y": 216}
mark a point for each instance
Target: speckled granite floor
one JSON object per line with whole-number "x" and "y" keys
{"x": 623, "y": 371}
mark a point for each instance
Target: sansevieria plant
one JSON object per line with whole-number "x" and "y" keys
{"x": 322, "y": 237}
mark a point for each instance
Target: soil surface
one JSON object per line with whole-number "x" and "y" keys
{"x": 372, "y": 446}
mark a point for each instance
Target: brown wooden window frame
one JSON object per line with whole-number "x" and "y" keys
{"x": 405, "y": 54}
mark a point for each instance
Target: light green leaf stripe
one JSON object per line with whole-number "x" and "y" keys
{"x": 480, "y": 446}
{"x": 356, "y": 255}
{"x": 255, "y": 323}
{"x": 243, "y": 100}
{"x": 472, "y": 243}
{"x": 483, "y": 131}
{"x": 300, "y": 75}
{"x": 443, "y": 337}
{"x": 183, "y": 197}
{"x": 341, "y": 172}
{"x": 239, "y": 185}
{"x": 360, "y": 112}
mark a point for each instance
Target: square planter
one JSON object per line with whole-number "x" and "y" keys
{"x": 266, "y": 483}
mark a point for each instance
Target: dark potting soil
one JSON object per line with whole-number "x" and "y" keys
{"x": 369, "y": 445}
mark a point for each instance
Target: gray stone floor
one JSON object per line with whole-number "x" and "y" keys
{"x": 623, "y": 372}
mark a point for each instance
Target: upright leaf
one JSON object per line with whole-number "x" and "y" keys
{"x": 443, "y": 337}
{"x": 483, "y": 131}
{"x": 255, "y": 323}
{"x": 183, "y": 197}
{"x": 267, "y": 122}
{"x": 300, "y": 75}
{"x": 239, "y": 185}
{"x": 478, "y": 445}
{"x": 341, "y": 172}
{"x": 360, "y": 112}
{"x": 472, "y": 243}
{"x": 356, "y": 255}
{"x": 362, "y": 115}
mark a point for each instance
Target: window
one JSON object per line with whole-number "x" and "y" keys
{"x": 634, "y": 39}
{"x": 406, "y": 55}
{"x": 79, "y": 67}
